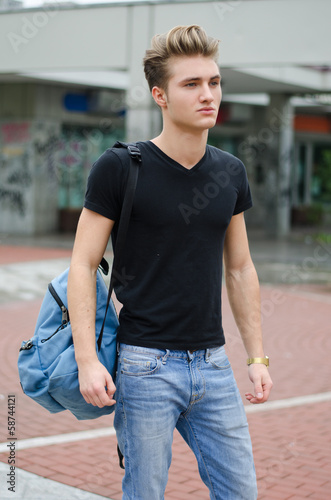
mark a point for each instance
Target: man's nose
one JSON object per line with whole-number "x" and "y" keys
{"x": 206, "y": 93}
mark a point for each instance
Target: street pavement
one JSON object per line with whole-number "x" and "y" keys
{"x": 57, "y": 456}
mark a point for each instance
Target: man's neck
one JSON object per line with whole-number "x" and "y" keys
{"x": 187, "y": 149}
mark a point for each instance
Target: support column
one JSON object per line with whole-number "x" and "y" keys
{"x": 279, "y": 160}
{"x": 143, "y": 118}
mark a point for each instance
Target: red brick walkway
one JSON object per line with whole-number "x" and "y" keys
{"x": 12, "y": 254}
{"x": 291, "y": 446}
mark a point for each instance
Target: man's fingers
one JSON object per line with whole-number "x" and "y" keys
{"x": 254, "y": 400}
{"x": 261, "y": 394}
{"x": 260, "y": 377}
{"x": 99, "y": 397}
{"x": 103, "y": 396}
{"x": 97, "y": 386}
{"x": 110, "y": 386}
{"x": 105, "y": 401}
{"x": 258, "y": 391}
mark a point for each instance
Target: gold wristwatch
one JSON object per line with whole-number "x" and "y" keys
{"x": 263, "y": 361}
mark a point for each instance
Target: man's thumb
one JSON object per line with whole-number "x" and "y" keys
{"x": 258, "y": 391}
{"x": 110, "y": 385}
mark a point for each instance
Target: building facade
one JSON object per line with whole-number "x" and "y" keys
{"x": 86, "y": 90}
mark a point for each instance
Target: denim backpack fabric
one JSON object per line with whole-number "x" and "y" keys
{"x": 47, "y": 366}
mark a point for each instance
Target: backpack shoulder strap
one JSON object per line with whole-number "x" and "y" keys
{"x": 135, "y": 159}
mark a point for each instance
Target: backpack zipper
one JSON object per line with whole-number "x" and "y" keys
{"x": 65, "y": 313}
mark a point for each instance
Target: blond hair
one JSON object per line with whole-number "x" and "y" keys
{"x": 179, "y": 41}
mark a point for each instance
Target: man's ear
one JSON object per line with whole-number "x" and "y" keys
{"x": 159, "y": 97}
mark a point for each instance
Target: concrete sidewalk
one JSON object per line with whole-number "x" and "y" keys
{"x": 291, "y": 435}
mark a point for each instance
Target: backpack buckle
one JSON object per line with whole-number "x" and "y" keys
{"x": 134, "y": 152}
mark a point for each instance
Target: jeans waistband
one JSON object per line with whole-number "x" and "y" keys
{"x": 170, "y": 353}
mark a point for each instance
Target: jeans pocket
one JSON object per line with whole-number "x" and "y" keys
{"x": 218, "y": 358}
{"x": 138, "y": 363}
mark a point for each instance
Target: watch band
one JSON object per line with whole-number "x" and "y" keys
{"x": 264, "y": 361}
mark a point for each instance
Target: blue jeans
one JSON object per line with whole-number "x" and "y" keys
{"x": 160, "y": 390}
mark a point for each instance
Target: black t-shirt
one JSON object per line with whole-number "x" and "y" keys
{"x": 174, "y": 246}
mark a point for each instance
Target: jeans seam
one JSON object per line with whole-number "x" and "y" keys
{"x": 192, "y": 403}
{"x": 143, "y": 374}
{"x": 204, "y": 387}
{"x": 220, "y": 368}
{"x": 125, "y": 452}
{"x": 211, "y": 487}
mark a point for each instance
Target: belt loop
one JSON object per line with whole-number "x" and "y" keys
{"x": 207, "y": 355}
{"x": 164, "y": 359}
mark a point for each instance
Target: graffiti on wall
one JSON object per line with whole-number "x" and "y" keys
{"x": 78, "y": 148}
{"x": 44, "y": 168}
{"x": 45, "y": 146}
{"x": 15, "y": 173}
{"x": 27, "y": 164}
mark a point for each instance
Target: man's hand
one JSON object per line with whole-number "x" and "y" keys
{"x": 96, "y": 384}
{"x": 259, "y": 375}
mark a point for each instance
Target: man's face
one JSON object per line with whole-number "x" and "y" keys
{"x": 194, "y": 93}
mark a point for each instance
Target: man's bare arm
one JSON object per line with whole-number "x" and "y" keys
{"x": 93, "y": 232}
{"x": 244, "y": 297}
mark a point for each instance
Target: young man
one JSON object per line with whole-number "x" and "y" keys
{"x": 187, "y": 215}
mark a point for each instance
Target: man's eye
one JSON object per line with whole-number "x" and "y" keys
{"x": 191, "y": 84}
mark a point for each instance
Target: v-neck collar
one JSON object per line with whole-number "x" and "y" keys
{"x": 174, "y": 163}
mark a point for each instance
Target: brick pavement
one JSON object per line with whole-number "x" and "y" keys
{"x": 11, "y": 254}
{"x": 291, "y": 446}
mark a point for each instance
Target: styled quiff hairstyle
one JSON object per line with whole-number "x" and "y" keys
{"x": 180, "y": 41}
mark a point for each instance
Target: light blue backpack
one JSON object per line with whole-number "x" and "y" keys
{"x": 47, "y": 366}
{"x": 46, "y": 363}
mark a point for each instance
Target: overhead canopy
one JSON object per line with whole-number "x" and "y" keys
{"x": 266, "y": 45}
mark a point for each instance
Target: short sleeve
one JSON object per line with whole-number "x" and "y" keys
{"x": 244, "y": 199}
{"x": 105, "y": 186}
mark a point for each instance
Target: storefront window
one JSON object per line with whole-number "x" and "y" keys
{"x": 312, "y": 174}
{"x": 321, "y": 174}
